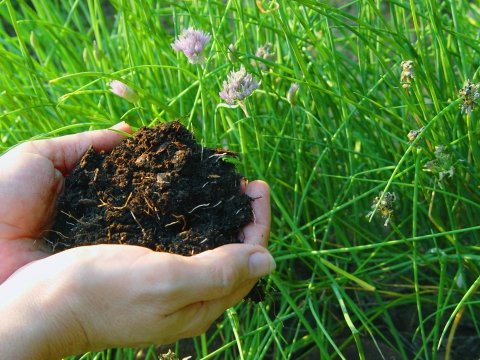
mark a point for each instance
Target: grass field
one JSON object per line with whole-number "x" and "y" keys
{"x": 373, "y": 164}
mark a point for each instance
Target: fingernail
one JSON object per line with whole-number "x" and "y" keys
{"x": 261, "y": 264}
{"x": 118, "y": 126}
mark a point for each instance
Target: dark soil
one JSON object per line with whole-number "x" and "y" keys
{"x": 158, "y": 189}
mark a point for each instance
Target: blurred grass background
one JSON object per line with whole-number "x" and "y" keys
{"x": 346, "y": 285}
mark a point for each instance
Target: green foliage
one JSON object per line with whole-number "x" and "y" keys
{"x": 343, "y": 279}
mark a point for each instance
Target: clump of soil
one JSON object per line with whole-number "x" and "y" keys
{"x": 158, "y": 189}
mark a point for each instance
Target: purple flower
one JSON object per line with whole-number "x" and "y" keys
{"x": 238, "y": 86}
{"x": 123, "y": 90}
{"x": 192, "y": 42}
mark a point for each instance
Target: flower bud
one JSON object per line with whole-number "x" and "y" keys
{"x": 33, "y": 40}
{"x": 97, "y": 53}
{"x": 124, "y": 91}
{"x": 292, "y": 93}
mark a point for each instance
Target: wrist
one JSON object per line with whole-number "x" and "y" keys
{"x": 35, "y": 323}
{"x": 20, "y": 330}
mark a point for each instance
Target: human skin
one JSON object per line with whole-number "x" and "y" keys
{"x": 101, "y": 296}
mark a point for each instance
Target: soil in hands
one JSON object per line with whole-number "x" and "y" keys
{"x": 158, "y": 189}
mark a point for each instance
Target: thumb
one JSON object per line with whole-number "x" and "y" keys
{"x": 223, "y": 277}
{"x": 65, "y": 151}
{"x": 216, "y": 273}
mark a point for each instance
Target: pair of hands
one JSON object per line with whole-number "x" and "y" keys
{"x": 94, "y": 297}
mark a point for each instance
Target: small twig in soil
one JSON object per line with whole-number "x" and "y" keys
{"x": 55, "y": 244}
{"x": 149, "y": 205}
{"x": 214, "y": 206}
{"x": 179, "y": 217}
{"x": 134, "y": 218}
{"x": 156, "y": 214}
{"x": 219, "y": 156}
{"x": 71, "y": 216}
{"x": 124, "y": 205}
{"x": 95, "y": 174}
{"x": 198, "y": 206}
{"x": 103, "y": 203}
{"x": 172, "y": 223}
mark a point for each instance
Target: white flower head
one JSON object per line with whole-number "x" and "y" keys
{"x": 124, "y": 91}
{"x": 192, "y": 42}
{"x": 238, "y": 86}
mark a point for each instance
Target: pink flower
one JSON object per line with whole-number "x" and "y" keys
{"x": 192, "y": 42}
{"x": 124, "y": 91}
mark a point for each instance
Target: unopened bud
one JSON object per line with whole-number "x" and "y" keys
{"x": 85, "y": 55}
{"x": 33, "y": 40}
{"x": 232, "y": 53}
{"x": 292, "y": 93}
{"x": 124, "y": 91}
{"x": 97, "y": 53}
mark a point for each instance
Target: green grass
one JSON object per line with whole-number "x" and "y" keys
{"x": 344, "y": 281}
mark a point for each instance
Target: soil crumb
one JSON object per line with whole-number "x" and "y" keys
{"x": 158, "y": 189}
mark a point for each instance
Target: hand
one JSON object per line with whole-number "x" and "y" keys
{"x": 31, "y": 178}
{"x": 94, "y": 297}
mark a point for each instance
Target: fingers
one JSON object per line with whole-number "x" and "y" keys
{"x": 66, "y": 151}
{"x": 209, "y": 275}
{"x": 257, "y": 232}
{"x": 29, "y": 186}
{"x": 196, "y": 318}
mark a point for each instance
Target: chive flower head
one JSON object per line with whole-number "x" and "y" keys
{"x": 238, "y": 86}
{"x": 192, "y": 43}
